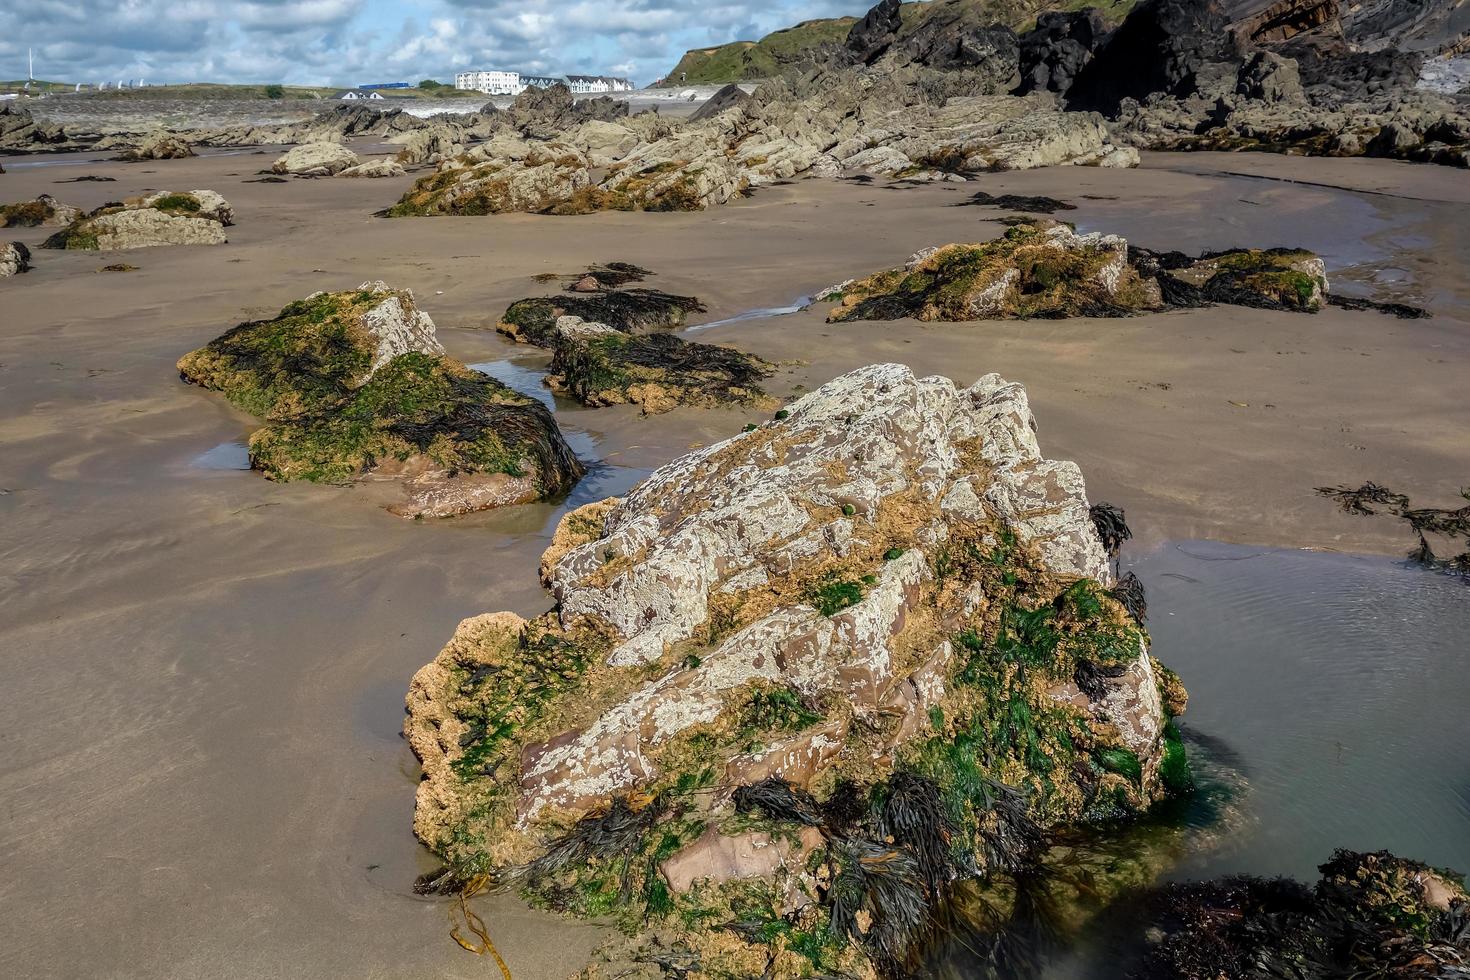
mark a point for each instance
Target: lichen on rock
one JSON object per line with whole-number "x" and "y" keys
{"x": 804, "y": 679}
{"x": 355, "y": 385}
{"x": 197, "y": 217}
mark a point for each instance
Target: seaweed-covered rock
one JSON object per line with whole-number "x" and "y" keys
{"x": 1042, "y": 269}
{"x": 1369, "y": 915}
{"x": 599, "y": 365}
{"x": 534, "y": 321}
{"x": 15, "y": 258}
{"x": 1031, "y": 271}
{"x": 157, "y": 146}
{"x": 1273, "y": 279}
{"x": 44, "y": 212}
{"x": 196, "y": 217}
{"x": 355, "y": 385}
{"x": 867, "y": 617}
{"x": 315, "y": 160}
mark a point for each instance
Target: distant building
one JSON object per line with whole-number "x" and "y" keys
{"x": 385, "y": 85}
{"x": 514, "y": 83}
{"x": 587, "y": 84}
{"x": 489, "y": 82}
{"x": 597, "y": 84}
{"x": 358, "y": 93}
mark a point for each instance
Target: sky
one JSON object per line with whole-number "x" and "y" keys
{"x": 355, "y": 42}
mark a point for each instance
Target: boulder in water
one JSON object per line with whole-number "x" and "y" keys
{"x": 355, "y": 385}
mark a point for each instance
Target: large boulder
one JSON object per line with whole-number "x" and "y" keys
{"x": 197, "y": 217}
{"x": 315, "y": 160}
{"x": 883, "y": 616}
{"x": 355, "y": 385}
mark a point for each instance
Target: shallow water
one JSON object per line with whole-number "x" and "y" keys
{"x": 225, "y": 456}
{"x": 1333, "y": 685}
{"x": 797, "y": 305}
{"x": 1339, "y": 681}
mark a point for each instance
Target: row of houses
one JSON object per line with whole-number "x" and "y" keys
{"x": 514, "y": 83}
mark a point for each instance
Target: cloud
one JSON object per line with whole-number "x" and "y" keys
{"x": 348, "y": 42}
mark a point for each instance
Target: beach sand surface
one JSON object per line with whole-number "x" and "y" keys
{"x": 203, "y": 672}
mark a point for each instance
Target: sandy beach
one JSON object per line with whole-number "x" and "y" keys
{"x": 204, "y": 671}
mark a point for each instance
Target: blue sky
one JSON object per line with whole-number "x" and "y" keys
{"x": 348, "y": 42}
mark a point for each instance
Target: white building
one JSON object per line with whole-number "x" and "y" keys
{"x": 597, "y": 84}
{"x": 587, "y": 84}
{"x": 358, "y": 93}
{"x": 490, "y": 82}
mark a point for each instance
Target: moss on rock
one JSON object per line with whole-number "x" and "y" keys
{"x": 1039, "y": 269}
{"x": 533, "y": 320}
{"x": 419, "y": 405}
{"x": 656, "y": 372}
{"x": 352, "y": 383}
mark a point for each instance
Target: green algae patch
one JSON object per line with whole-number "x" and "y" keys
{"x": 1276, "y": 278}
{"x": 657, "y": 372}
{"x": 533, "y": 320}
{"x": 308, "y": 357}
{"x": 1032, "y": 271}
{"x": 27, "y": 214}
{"x": 354, "y": 382}
{"x": 417, "y": 405}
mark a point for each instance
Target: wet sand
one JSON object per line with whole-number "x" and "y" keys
{"x": 203, "y": 671}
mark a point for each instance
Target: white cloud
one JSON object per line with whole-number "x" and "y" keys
{"x": 343, "y": 42}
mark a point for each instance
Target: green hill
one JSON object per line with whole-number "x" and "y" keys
{"x": 741, "y": 61}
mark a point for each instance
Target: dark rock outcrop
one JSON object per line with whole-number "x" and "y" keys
{"x": 1061, "y": 45}
{"x": 726, "y": 98}
{"x": 1164, "y": 47}
{"x": 872, "y": 36}
{"x": 1369, "y": 915}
